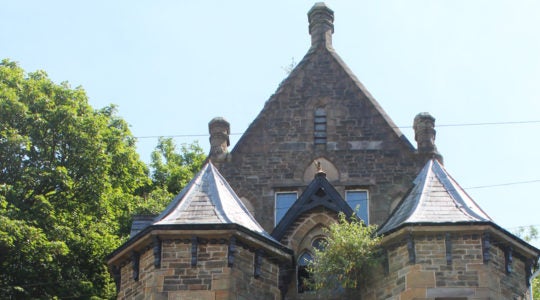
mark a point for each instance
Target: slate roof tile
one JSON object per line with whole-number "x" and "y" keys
{"x": 436, "y": 198}
{"x": 209, "y": 199}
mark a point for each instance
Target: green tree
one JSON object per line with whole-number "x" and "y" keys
{"x": 530, "y": 234}
{"x": 350, "y": 251}
{"x": 69, "y": 175}
{"x": 171, "y": 169}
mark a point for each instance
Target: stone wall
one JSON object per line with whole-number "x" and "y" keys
{"x": 245, "y": 286}
{"x": 433, "y": 277}
{"x": 210, "y": 279}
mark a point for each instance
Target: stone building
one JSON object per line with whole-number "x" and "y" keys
{"x": 246, "y": 225}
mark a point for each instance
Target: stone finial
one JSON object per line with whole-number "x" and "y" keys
{"x": 424, "y": 134}
{"x": 321, "y": 24}
{"x": 320, "y": 172}
{"x": 318, "y": 166}
{"x": 219, "y": 130}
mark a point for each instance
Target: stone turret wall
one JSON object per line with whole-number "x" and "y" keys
{"x": 512, "y": 284}
{"x": 245, "y": 286}
{"x": 210, "y": 279}
{"x": 431, "y": 277}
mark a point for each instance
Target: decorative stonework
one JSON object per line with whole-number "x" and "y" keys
{"x": 157, "y": 251}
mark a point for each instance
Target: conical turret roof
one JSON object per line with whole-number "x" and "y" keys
{"x": 208, "y": 199}
{"x": 436, "y": 198}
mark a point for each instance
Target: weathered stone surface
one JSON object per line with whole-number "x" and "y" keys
{"x": 432, "y": 278}
{"x": 210, "y": 279}
{"x": 420, "y": 279}
{"x": 413, "y": 293}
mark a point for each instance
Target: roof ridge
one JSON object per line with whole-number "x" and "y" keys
{"x": 422, "y": 195}
{"x": 454, "y": 192}
{"x": 370, "y": 97}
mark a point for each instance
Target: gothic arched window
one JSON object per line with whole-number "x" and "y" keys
{"x": 319, "y": 243}
{"x": 304, "y": 278}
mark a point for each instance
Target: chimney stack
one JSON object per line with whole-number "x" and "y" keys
{"x": 424, "y": 134}
{"x": 321, "y": 25}
{"x": 219, "y": 130}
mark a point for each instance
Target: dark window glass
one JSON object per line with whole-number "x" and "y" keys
{"x": 358, "y": 201}
{"x": 304, "y": 278}
{"x": 319, "y": 244}
{"x": 284, "y": 201}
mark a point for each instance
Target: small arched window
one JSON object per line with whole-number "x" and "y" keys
{"x": 304, "y": 279}
{"x": 319, "y": 133}
{"x": 319, "y": 243}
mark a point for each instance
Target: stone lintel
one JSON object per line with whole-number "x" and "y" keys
{"x": 450, "y": 292}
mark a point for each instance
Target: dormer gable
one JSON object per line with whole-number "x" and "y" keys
{"x": 319, "y": 194}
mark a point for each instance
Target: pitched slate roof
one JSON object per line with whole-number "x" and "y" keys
{"x": 208, "y": 199}
{"x": 319, "y": 193}
{"x": 436, "y": 198}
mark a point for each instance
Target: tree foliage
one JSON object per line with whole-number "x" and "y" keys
{"x": 70, "y": 181}
{"x": 172, "y": 169}
{"x": 350, "y": 251}
{"x": 68, "y": 176}
{"x": 530, "y": 234}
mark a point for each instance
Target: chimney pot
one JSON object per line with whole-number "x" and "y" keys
{"x": 321, "y": 24}
{"x": 424, "y": 134}
{"x": 219, "y": 130}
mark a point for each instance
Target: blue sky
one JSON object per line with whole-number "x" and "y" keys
{"x": 171, "y": 66}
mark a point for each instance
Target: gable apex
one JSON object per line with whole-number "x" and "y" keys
{"x": 322, "y": 78}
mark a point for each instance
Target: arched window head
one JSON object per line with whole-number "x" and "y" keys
{"x": 305, "y": 259}
{"x": 319, "y": 133}
{"x": 332, "y": 173}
